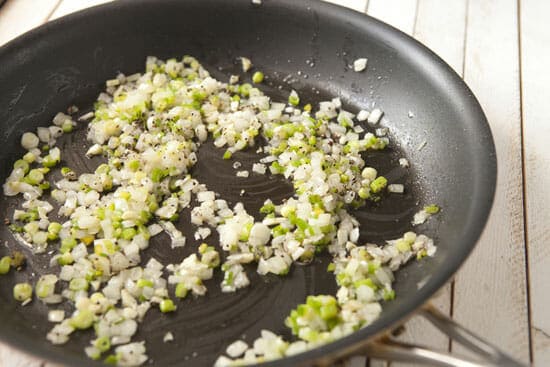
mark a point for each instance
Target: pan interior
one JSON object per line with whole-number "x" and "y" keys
{"x": 305, "y": 46}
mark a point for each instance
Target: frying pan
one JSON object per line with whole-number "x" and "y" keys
{"x": 302, "y": 45}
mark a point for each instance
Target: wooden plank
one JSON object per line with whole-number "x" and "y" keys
{"x": 399, "y": 13}
{"x": 356, "y": 361}
{"x": 420, "y": 20}
{"x": 19, "y": 16}
{"x": 10, "y": 357}
{"x": 70, "y": 6}
{"x": 358, "y": 5}
{"x": 14, "y": 358}
{"x": 377, "y": 363}
{"x": 441, "y": 27}
{"x": 535, "y": 58}
{"x": 490, "y": 290}
{"x": 16, "y": 18}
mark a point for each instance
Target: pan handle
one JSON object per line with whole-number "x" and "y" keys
{"x": 489, "y": 356}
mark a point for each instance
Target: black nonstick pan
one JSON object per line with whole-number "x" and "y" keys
{"x": 433, "y": 118}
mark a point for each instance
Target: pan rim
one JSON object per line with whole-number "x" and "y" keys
{"x": 484, "y": 191}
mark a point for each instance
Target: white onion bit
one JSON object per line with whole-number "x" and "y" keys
{"x": 360, "y": 64}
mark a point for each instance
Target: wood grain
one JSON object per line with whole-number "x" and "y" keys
{"x": 536, "y": 131}
{"x": 70, "y": 6}
{"x": 490, "y": 290}
{"x": 18, "y": 16}
{"x": 357, "y": 5}
{"x": 400, "y": 14}
{"x": 441, "y": 27}
{"x": 12, "y": 358}
{"x": 427, "y": 21}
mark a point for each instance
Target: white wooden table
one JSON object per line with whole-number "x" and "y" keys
{"x": 503, "y": 290}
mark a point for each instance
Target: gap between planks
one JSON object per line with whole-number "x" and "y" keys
{"x": 18, "y": 16}
{"x": 490, "y": 290}
{"x": 535, "y": 89}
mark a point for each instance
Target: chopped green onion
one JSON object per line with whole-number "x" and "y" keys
{"x": 258, "y": 77}
{"x": 293, "y": 98}
{"x": 368, "y": 282}
{"x": 29, "y": 157}
{"x": 5, "y": 264}
{"x": 329, "y": 311}
{"x": 142, "y": 283}
{"x": 103, "y": 344}
{"x": 44, "y": 288}
{"x": 181, "y": 290}
{"x": 267, "y": 208}
{"x": 84, "y": 319}
{"x": 111, "y": 359}
{"x": 102, "y": 168}
{"x": 53, "y": 231}
{"x": 421, "y": 254}
{"x": 432, "y": 209}
{"x": 134, "y": 165}
{"x": 34, "y": 177}
{"x": 157, "y": 174}
{"x": 167, "y": 305}
{"x": 49, "y": 162}
{"x": 18, "y": 259}
{"x": 67, "y": 172}
{"x": 244, "y": 89}
{"x": 67, "y": 244}
{"x": 378, "y": 184}
{"x": 211, "y": 258}
{"x": 67, "y": 126}
{"x": 22, "y": 164}
{"x": 78, "y": 284}
{"x": 388, "y": 295}
{"x": 204, "y": 248}
{"x": 364, "y": 193}
{"x": 128, "y": 233}
{"x": 22, "y": 292}
{"x": 65, "y": 259}
{"x": 403, "y": 246}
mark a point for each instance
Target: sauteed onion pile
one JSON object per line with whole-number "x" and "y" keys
{"x": 149, "y": 127}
